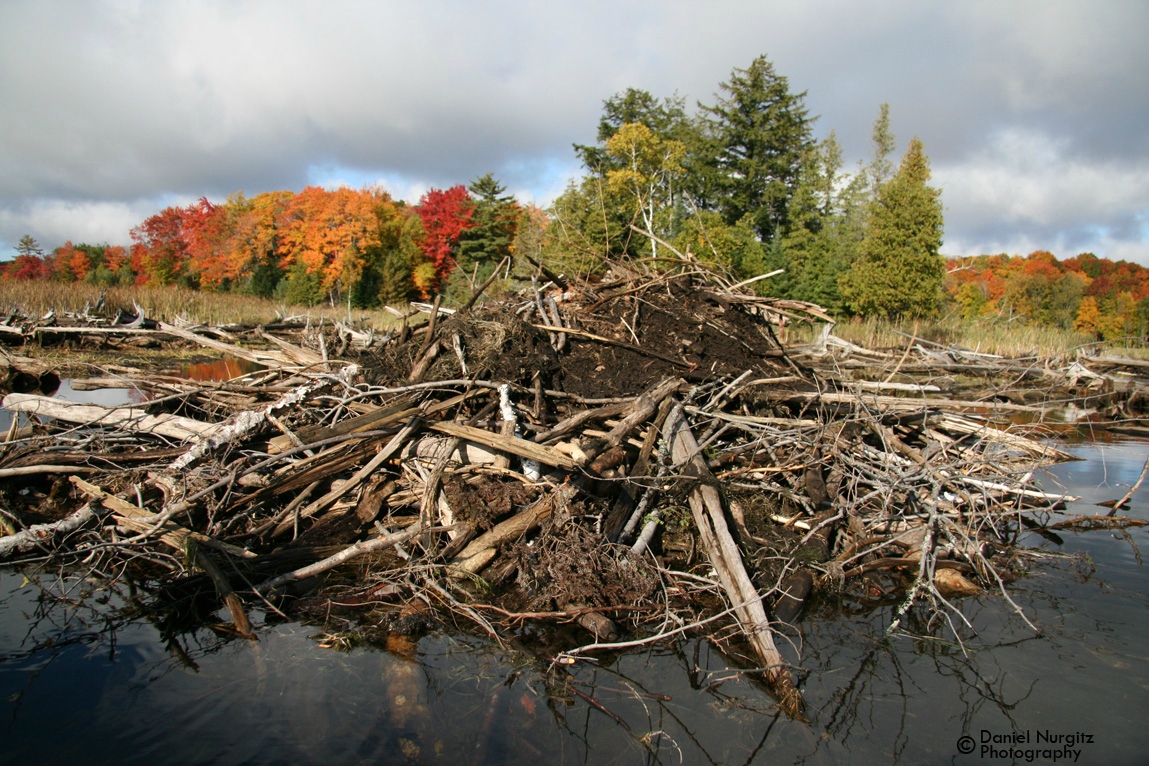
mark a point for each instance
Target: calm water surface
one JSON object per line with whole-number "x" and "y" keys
{"x": 79, "y": 685}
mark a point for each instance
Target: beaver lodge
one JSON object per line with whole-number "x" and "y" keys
{"x": 578, "y": 467}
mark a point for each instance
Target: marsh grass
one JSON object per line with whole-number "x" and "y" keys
{"x": 1008, "y": 339}
{"x": 36, "y": 298}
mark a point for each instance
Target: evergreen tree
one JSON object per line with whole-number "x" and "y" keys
{"x": 821, "y": 242}
{"x": 881, "y": 168}
{"x": 760, "y": 132}
{"x": 898, "y": 271}
{"x": 28, "y": 246}
{"x": 494, "y": 216}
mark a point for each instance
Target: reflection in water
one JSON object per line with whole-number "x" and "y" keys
{"x": 119, "y": 682}
{"x": 227, "y": 368}
{"x": 223, "y": 369}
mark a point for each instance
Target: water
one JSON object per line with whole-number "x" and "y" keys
{"x": 225, "y": 368}
{"x": 80, "y": 684}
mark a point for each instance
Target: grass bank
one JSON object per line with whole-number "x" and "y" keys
{"x": 1010, "y": 339}
{"x": 36, "y": 298}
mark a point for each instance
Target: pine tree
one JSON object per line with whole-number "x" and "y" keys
{"x": 760, "y": 131}
{"x": 899, "y": 271}
{"x": 494, "y": 219}
{"x": 29, "y": 246}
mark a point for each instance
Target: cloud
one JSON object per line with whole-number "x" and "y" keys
{"x": 1027, "y": 190}
{"x": 109, "y": 102}
{"x": 54, "y": 221}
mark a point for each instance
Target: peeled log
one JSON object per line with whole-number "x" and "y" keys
{"x": 724, "y": 556}
{"x": 951, "y": 582}
{"x": 130, "y": 419}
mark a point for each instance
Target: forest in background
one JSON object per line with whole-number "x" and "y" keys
{"x": 739, "y": 185}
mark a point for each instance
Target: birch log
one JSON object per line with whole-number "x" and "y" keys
{"x": 130, "y": 419}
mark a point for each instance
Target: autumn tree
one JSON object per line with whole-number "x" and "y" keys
{"x": 898, "y": 271}
{"x": 446, "y": 214}
{"x": 207, "y": 231}
{"x": 252, "y": 262}
{"x": 643, "y": 176}
{"x": 666, "y": 118}
{"x": 322, "y": 234}
{"x": 29, "y": 260}
{"x": 160, "y": 251}
{"x": 358, "y": 247}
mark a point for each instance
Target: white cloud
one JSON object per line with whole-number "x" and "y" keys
{"x": 54, "y": 221}
{"x": 1027, "y": 190}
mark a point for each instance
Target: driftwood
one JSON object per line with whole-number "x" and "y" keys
{"x": 130, "y": 419}
{"x": 44, "y": 535}
{"x": 521, "y": 459}
{"x": 724, "y": 556}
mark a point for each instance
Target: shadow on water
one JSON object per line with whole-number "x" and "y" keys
{"x": 89, "y": 675}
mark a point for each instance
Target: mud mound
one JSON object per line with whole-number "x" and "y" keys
{"x": 612, "y": 342}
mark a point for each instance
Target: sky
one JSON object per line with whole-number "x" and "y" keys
{"x": 1035, "y": 115}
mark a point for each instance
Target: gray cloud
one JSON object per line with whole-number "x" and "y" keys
{"x": 1033, "y": 112}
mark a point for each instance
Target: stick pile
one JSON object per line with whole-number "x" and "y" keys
{"x": 638, "y": 456}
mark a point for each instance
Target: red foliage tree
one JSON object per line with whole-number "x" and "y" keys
{"x": 446, "y": 215}
{"x": 160, "y": 252}
{"x": 26, "y": 266}
{"x": 207, "y": 229}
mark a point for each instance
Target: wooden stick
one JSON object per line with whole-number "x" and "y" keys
{"x": 521, "y": 447}
{"x": 42, "y": 534}
{"x": 481, "y": 550}
{"x": 131, "y": 419}
{"x": 226, "y": 594}
{"x": 1131, "y": 491}
{"x": 31, "y": 470}
{"x": 132, "y": 516}
{"x": 724, "y": 556}
{"x": 372, "y": 465}
{"x": 358, "y": 549}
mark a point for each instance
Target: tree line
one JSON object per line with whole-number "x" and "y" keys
{"x": 1102, "y": 298}
{"x": 347, "y": 246}
{"x": 739, "y": 184}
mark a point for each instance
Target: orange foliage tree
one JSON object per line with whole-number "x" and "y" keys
{"x": 1086, "y": 293}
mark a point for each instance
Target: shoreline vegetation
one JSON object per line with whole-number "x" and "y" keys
{"x": 986, "y": 334}
{"x": 738, "y": 184}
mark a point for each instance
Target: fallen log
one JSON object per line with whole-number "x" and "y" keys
{"x": 128, "y": 419}
{"x": 481, "y": 550}
{"x": 353, "y": 551}
{"x": 44, "y": 535}
{"x": 520, "y": 447}
{"x": 724, "y": 556}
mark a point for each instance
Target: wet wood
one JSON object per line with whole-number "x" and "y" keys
{"x": 831, "y": 484}
{"x": 43, "y": 536}
{"x": 127, "y": 419}
{"x": 725, "y": 557}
